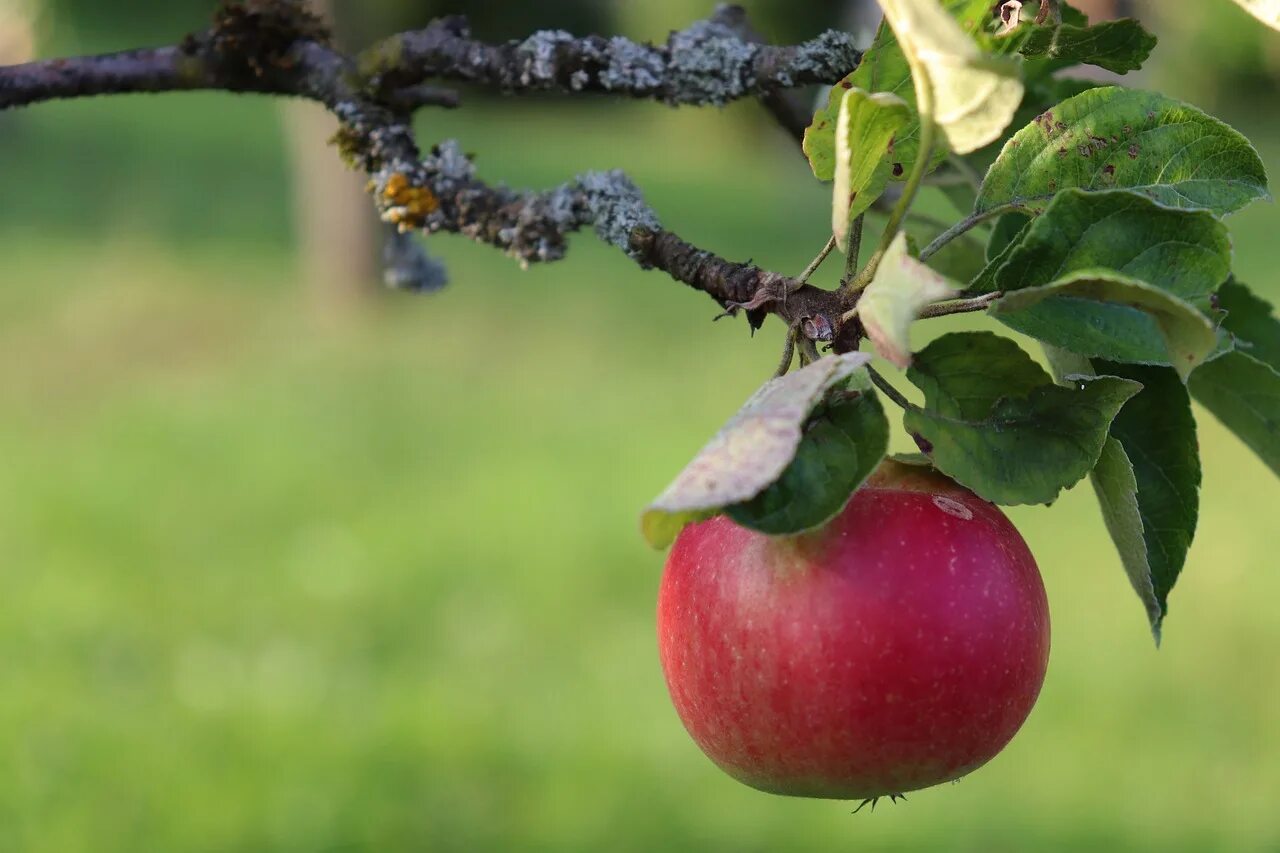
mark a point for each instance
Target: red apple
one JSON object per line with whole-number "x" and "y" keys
{"x": 901, "y": 645}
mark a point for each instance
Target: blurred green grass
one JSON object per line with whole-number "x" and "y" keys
{"x": 274, "y": 584}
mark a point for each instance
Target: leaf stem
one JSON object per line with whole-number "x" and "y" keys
{"x": 960, "y": 306}
{"x": 817, "y": 262}
{"x": 963, "y": 226}
{"x": 852, "y": 250}
{"x": 888, "y": 390}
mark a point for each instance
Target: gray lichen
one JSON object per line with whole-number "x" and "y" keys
{"x": 828, "y": 56}
{"x": 407, "y": 266}
{"x": 617, "y": 208}
{"x": 633, "y": 67}
{"x": 448, "y": 166}
{"x": 537, "y": 57}
{"x": 709, "y": 64}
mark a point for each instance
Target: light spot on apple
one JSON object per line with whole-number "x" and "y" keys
{"x": 951, "y": 507}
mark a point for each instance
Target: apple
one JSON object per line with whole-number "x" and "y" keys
{"x": 899, "y": 646}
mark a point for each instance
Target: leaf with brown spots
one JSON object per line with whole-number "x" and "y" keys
{"x": 1167, "y": 150}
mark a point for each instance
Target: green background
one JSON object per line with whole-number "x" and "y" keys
{"x": 274, "y": 582}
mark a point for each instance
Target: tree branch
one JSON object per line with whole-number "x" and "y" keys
{"x": 709, "y": 62}
{"x": 277, "y": 47}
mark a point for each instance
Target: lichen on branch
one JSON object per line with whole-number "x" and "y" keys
{"x": 278, "y": 47}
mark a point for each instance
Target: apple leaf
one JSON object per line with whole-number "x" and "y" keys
{"x": 1007, "y": 231}
{"x": 1267, "y": 11}
{"x": 752, "y": 451}
{"x": 1186, "y": 253}
{"x": 974, "y": 94}
{"x": 891, "y": 303}
{"x": 954, "y": 375}
{"x": 1149, "y": 484}
{"x": 1116, "y": 486}
{"x": 819, "y": 143}
{"x": 1029, "y": 443}
{"x": 1243, "y": 393}
{"x": 1252, "y": 323}
{"x": 844, "y": 441}
{"x": 1100, "y": 313}
{"x": 1158, "y": 434}
{"x": 864, "y": 134}
{"x": 1242, "y": 388}
{"x": 1114, "y": 138}
{"x": 884, "y": 68}
{"x": 999, "y": 247}
{"x": 1118, "y": 46}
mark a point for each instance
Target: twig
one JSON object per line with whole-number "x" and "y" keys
{"x": 888, "y": 390}
{"x": 960, "y": 306}
{"x": 961, "y": 227}
{"x": 817, "y": 261}
{"x": 788, "y": 349}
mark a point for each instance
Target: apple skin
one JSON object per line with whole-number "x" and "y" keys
{"x": 901, "y": 645}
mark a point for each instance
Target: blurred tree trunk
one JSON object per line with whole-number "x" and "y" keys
{"x": 338, "y": 234}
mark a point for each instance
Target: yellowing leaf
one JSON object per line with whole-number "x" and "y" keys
{"x": 750, "y": 452}
{"x": 1267, "y": 11}
{"x": 901, "y": 287}
{"x": 864, "y": 133}
{"x": 974, "y": 95}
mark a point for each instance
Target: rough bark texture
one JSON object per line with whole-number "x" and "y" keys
{"x": 279, "y": 47}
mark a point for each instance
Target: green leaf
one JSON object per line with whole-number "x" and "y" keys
{"x": 1185, "y": 253}
{"x": 1116, "y": 486}
{"x": 1093, "y": 313}
{"x": 974, "y": 94}
{"x": 1149, "y": 485}
{"x": 891, "y": 303}
{"x": 1113, "y": 138}
{"x": 819, "y": 143}
{"x": 1158, "y": 433}
{"x": 1242, "y": 388}
{"x": 1267, "y": 11}
{"x": 1243, "y": 393}
{"x": 864, "y": 133}
{"x": 751, "y": 452}
{"x": 956, "y": 374}
{"x": 1027, "y": 446}
{"x": 1007, "y": 231}
{"x": 884, "y": 68}
{"x": 1118, "y": 46}
{"x": 985, "y": 280}
{"x": 843, "y": 443}
{"x": 1252, "y": 322}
